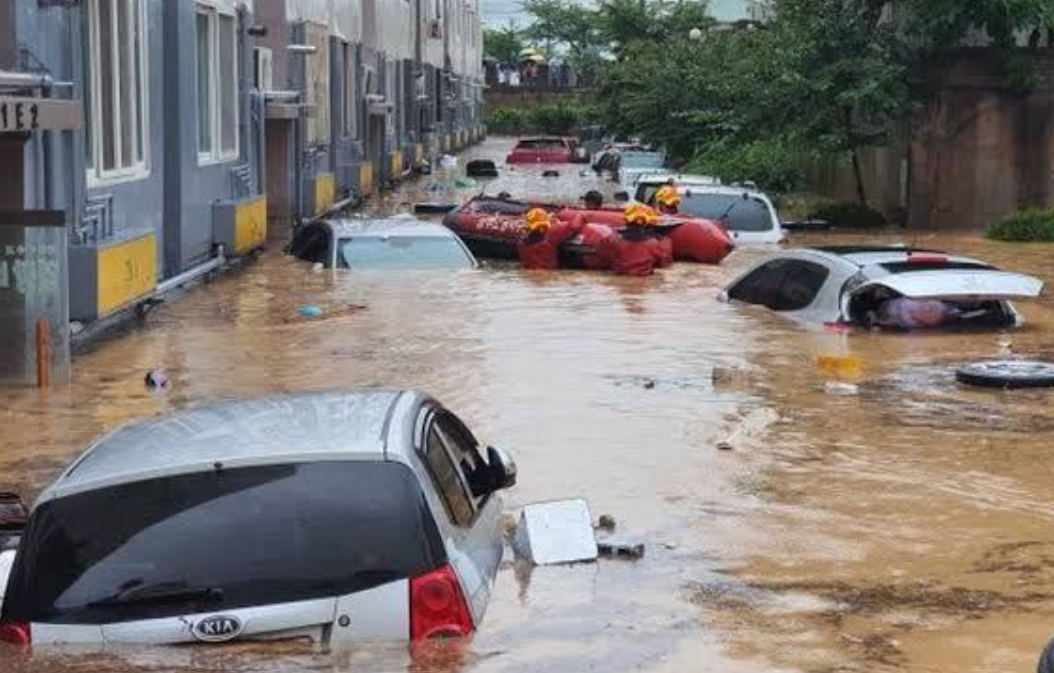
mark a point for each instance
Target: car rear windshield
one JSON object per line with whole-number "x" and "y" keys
{"x": 541, "y": 144}
{"x": 740, "y": 214}
{"x": 220, "y": 540}
{"x": 643, "y": 159}
{"x": 402, "y": 252}
{"x": 919, "y": 265}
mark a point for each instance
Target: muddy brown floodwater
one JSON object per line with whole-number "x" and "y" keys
{"x": 906, "y": 529}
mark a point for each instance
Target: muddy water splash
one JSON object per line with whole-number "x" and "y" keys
{"x": 906, "y": 528}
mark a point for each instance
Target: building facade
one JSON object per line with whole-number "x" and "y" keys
{"x": 175, "y": 133}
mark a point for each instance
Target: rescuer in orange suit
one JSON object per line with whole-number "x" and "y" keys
{"x": 540, "y": 247}
{"x": 668, "y": 202}
{"x": 636, "y": 250}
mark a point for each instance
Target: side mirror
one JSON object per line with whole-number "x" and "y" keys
{"x": 13, "y": 513}
{"x": 502, "y": 468}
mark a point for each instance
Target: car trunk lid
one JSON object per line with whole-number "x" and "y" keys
{"x": 303, "y": 619}
{"x": 957, "y": 284}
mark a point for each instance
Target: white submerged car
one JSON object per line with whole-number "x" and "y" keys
{"x": 859, "y": 285}
{"x": 335, "y": 517}
{"x": 746, "y": 213}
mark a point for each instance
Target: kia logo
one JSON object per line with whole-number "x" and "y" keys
{"x": 217, "y": 629}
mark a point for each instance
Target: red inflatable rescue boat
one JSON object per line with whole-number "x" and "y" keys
{"x": 491, "y": 227}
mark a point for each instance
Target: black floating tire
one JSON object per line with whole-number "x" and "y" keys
{"x": 1008, "y": 374}
{"x": 1046, "y": 660}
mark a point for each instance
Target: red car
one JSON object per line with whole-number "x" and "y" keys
{"x": 546, "y": 151}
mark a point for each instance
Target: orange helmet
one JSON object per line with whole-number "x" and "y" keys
{"x": 667, "y": 197}
{"x": 641, "y": 216}
{"x": 538, "y": 220}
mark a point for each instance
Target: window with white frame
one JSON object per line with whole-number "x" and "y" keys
{"x": 263, "y": 68}
{"x": 116, "y": 90}
{"x": 216, "y": 49}
{"x": 318, "y": 84}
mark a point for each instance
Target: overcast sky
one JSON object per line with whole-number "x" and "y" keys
{"x": 497, "y": 13}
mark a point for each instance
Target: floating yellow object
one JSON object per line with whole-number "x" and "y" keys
{"x": 840, "y": 365}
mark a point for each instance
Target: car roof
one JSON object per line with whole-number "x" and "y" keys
{"x": 719, "y": 189}
{"x": 681, "y": 179}
{"x": 285, "y": 428}
{"x": 387, "y": 227}
{"x": 864, "y": 256}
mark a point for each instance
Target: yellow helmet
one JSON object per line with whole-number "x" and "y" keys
{"x": 538, "y": 220}
{"x": 641, "y": 216}
{"x": 667, "y": 197}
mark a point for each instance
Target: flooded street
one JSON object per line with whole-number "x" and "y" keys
{"x": 907, "y": 528}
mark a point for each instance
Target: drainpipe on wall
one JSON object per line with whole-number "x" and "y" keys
{"x": 300, "y": 131}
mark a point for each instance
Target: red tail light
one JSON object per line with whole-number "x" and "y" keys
{"x": 437, "y": 606}
{"x": 16, "y": 633}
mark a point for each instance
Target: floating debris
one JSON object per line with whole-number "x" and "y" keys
{"x": 838, "y": 388}
{"x": 557, "y": 532}
{"x": 311, "y": 311}
{"x": 157, "y": 379}
{"x": 621, "y": 550}
{"x": 845, "y": 366}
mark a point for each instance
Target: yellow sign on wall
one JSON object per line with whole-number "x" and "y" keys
{"x": 419, "y": 154}
{"x": 397, "y": 163}
{"x": 126, "y": 272}
{"x": 325, "y": 192}
{"x": 366, "y": 178}
{"x": 250, "y": 225}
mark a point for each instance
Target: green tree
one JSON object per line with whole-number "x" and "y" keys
{"x": 943, "y": 23}
{"x": 626, "y": 23}
{"x": 848, "y": 70}
{"x": 562, "y": 23}
{"x": 503, "y": 44}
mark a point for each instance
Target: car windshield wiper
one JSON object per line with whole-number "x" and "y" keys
{"x": 162, "y": 592}
{"x": 728, "y": 211}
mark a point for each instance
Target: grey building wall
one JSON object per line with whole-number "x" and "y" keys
{"x": 192, "y": 188}
{"x": 176, "y": 199}
{"x": 136, "y": 205}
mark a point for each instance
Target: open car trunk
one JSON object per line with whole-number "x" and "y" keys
{"x": 979, "y": 297}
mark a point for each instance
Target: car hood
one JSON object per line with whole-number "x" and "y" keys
{"x": 958, "y": 284}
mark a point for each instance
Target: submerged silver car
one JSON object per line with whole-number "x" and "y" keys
{"x": 336, "y": 517}
{"x": 853, "y": 285}
{"x": 395, "y": 243}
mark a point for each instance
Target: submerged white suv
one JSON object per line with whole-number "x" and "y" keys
{"x": 336, "y": 517}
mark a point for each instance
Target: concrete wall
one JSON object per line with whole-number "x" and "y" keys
{"x": 528, "y": 99}
{"x": 7, "y": 35}
{"x": 885, "y": 173}
{"x": 195, "y": 186}
{"x": 979, "y": 151}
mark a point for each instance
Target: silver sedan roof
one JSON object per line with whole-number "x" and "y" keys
{"x": 867, "y": 257}
{"x": 387, "y": 227}
{"x": 286, "y": 428}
